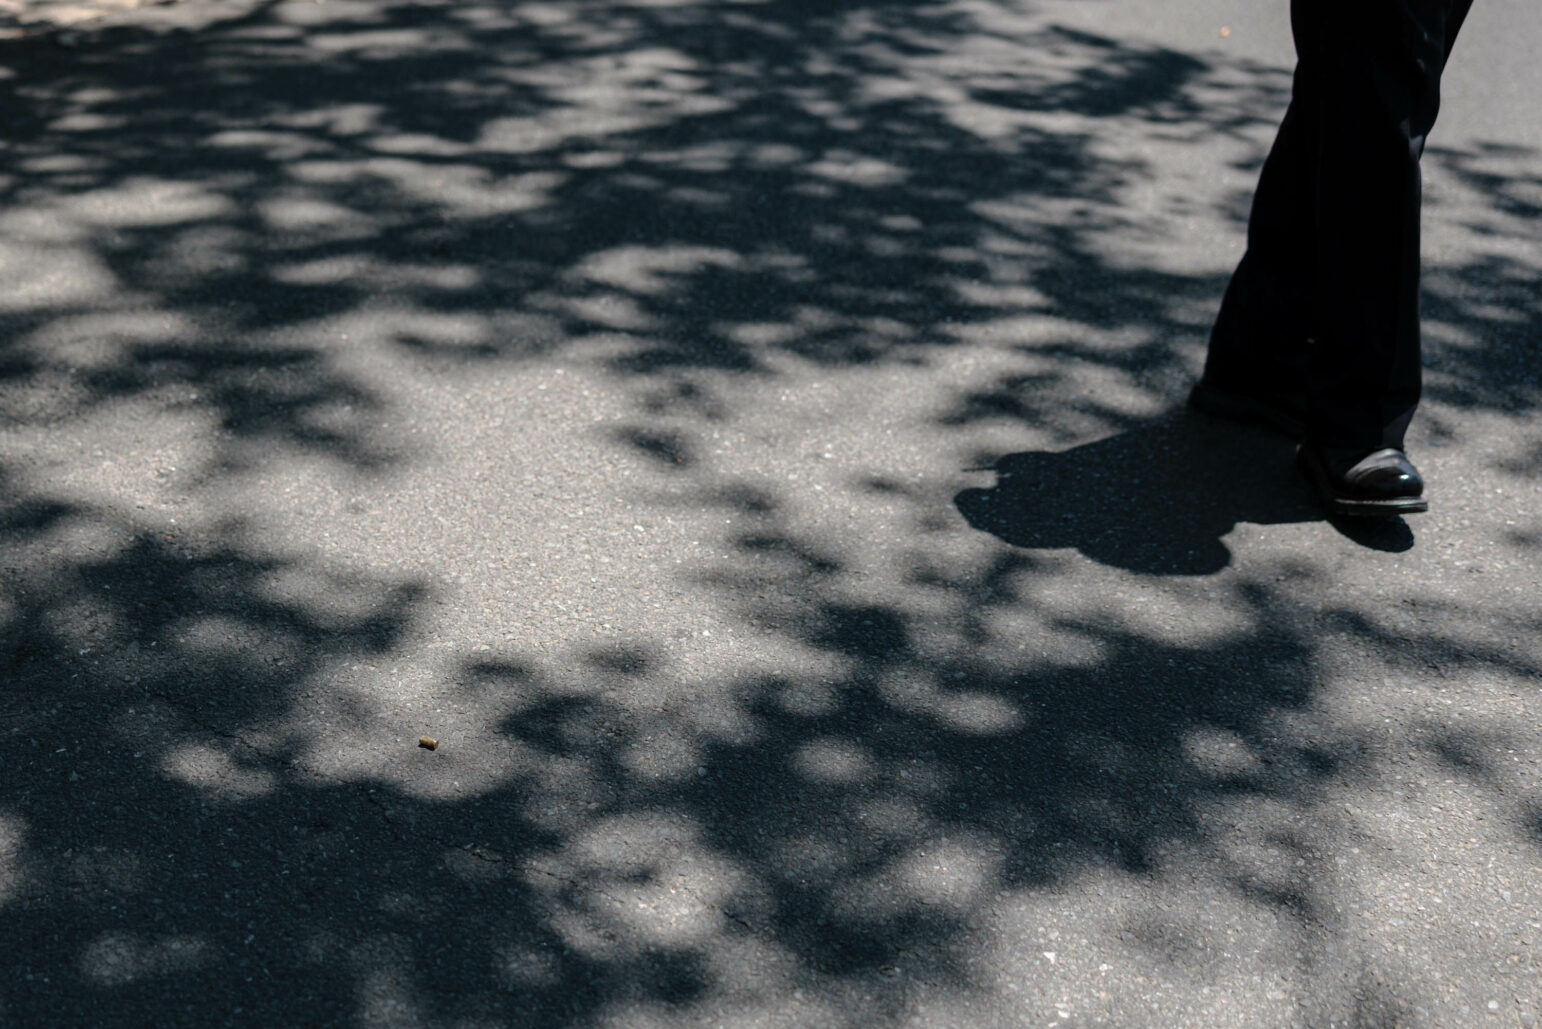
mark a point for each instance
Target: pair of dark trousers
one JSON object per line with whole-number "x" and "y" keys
{"x": 1325, "y": 302}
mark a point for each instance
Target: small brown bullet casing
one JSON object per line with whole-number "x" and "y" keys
{"x": 428, "y": 743}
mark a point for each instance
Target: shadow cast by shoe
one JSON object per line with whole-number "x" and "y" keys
{"x": 1157, "y": 499}
{"x": 1388, "y": 535}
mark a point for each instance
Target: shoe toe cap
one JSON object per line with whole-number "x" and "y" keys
{"x": 1388, "y": 475}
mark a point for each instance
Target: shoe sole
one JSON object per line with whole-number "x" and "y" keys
{"x": 1375, "y": 508}
{"x": 1350, "y": 507}
{"x": 1238, "y": 407}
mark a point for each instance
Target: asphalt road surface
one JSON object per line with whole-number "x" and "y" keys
{"x": 748, "y": 437}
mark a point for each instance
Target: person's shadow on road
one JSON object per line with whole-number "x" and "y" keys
{"x": 1158, "y": 498}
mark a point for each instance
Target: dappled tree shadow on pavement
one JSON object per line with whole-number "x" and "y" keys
{"x": 252, "y": 255}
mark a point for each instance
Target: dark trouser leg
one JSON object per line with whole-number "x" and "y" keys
{"x": 1259, "y": 343}
{"x": 1333, "y": 240}
{"x": 1381, "y": 63}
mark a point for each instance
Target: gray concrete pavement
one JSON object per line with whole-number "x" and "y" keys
{"x": 749, "y": 438}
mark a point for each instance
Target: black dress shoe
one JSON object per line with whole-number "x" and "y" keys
{"x": 1379, "y": 484}
{"x": 1284, "y": 412}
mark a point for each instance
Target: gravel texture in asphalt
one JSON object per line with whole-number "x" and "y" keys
{"x": 747, "y": 439}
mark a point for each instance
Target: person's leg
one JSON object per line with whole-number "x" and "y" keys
{"x": 1258, "y": 343}
{"x": 1381, "y": 62}
{"x": 1256, "y": 364}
